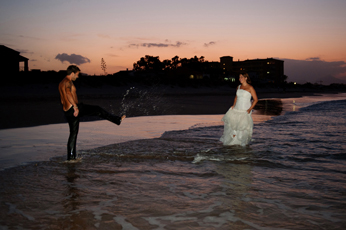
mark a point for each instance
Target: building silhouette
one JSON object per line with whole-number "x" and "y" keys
{"x": 226, "y": 63}
{"x": 263, "y": 69}
{"x": 10, "y": 60}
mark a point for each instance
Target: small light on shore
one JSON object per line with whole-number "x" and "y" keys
{"x": 295, "y": 83}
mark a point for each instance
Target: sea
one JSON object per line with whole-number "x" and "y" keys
{"x": 291, "y": 176}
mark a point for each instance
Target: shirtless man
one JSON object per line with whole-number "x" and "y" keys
{"x": 73, "y": 111}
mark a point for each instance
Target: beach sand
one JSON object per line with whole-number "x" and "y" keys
{"x": 33, "y": 105}
{"x": 43, "y": 132}
{"x": 184, "y": 178}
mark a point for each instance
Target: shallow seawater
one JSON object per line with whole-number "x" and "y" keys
{"x": 292, "y": 176}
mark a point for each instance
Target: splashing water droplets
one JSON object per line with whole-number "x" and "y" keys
{"x": 142, "y": 102}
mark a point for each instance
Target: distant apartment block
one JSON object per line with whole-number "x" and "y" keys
{"x": 263, "y": 69}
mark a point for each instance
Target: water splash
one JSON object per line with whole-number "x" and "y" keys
{"x": 124, "y": 108}
{"x": 143, "y": 102}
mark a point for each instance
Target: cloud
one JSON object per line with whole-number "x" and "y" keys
{"x": 159, "y": 45}
{"x": 315, "y": 70}
{"x": 72, "y": 59}
{"x": 29, "y": 37}
{"x": 21, "y": 51}
{"x": 209, "y": 44}
{"x": 313, "y": 59}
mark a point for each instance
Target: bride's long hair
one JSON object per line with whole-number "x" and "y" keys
{"x": 246, "y": 75}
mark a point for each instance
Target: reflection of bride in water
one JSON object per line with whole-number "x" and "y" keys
{"x": 238, "y": 123}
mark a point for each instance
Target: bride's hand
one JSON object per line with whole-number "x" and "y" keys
{"x": 248, "y": 111}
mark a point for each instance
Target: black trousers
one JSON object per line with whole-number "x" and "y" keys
{"x": 73, "y": 122}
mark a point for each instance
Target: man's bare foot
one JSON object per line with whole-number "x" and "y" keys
{"x": 123, "y": 117}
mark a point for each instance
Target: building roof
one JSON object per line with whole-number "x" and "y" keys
{"x": 5, "y": 51}
{"x": 254, "y": 60}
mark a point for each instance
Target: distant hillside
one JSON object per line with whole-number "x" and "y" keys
{"x": 329, "y": 80}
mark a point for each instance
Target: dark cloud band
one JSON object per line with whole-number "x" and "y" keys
{"x": 209, "y": 44}
{"x": 160, "y": 45}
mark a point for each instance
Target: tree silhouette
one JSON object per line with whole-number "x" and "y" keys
{"x": 103, "y": 66}
{"x": 175, "y": 62}
{"x": 167, "y": 64}
{"x": 153, "y": 64}
{"x": 148, "y": 63}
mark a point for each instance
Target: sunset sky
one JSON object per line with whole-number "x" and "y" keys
{"x": 309, "y": 35}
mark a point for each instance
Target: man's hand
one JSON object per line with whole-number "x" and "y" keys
{"x": 76, "y": 111}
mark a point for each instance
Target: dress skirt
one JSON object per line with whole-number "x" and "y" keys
{"x": 238, "y": 126}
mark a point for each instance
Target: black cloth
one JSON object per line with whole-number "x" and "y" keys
{"x": 73, "y": 122}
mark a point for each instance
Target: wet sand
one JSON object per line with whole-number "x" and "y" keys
{"x": 100, "y": 193}
{"x": 33, "y": 127}
{"x": 27, "y": 106}
{"x": 40, "y": 143}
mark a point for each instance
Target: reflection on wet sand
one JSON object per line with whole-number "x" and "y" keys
{"x": 271, "y": 107}
{"x": 72, "y": 199}
{"x": 237, "y": 184}
{"x": 72, "y": 193}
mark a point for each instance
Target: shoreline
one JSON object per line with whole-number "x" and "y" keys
{"x": 115, "y": 185}
{"x": 40, "y": 143}
{"x": 34, "y": 105}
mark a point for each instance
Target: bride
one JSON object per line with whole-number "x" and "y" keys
{"x": 238, "y": 123}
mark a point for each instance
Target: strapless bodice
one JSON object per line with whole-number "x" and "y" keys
{"x": 243, "y": 100}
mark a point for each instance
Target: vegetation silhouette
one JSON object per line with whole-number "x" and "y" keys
{"x": 103, "y": 66}
{"x": 151, "y": 71}
{"x": 182, "y": 72}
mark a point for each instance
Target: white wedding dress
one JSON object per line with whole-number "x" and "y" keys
{"x": 238, "y": 124}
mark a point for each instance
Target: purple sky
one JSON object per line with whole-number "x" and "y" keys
{"x": 309, "y": 35}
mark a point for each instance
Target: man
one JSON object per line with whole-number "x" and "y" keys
{"x": 73, "y": 110}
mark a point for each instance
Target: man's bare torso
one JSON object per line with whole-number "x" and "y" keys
{"x": 68, "y": 94}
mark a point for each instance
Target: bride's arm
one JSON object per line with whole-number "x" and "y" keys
{"x": 235, "y": 99}
{"x": 254, "y": 97}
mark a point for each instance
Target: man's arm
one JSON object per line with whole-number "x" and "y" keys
{"x": 71, "y": 98}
